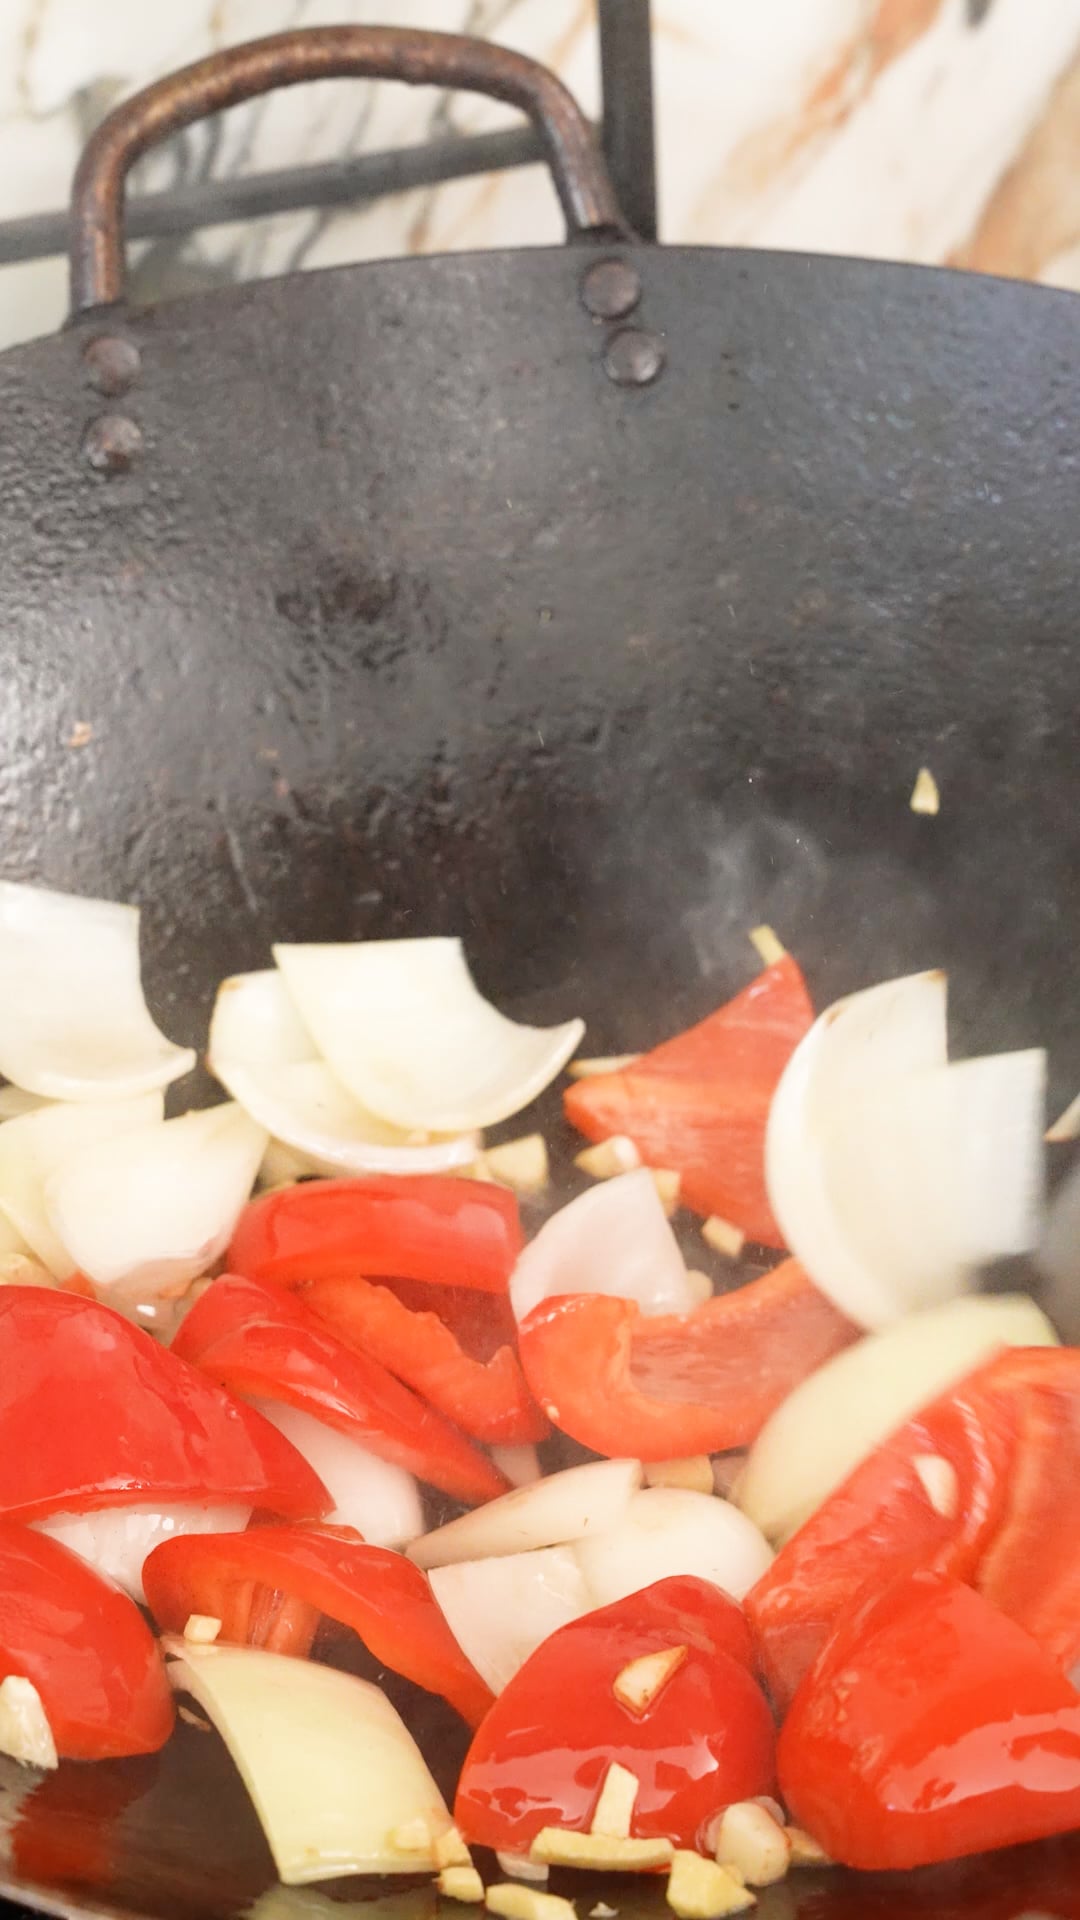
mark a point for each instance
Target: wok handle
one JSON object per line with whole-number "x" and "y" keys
{"x": 323, "y": 53}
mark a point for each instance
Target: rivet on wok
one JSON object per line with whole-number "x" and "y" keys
{"x": 610, "y": 289}
{"x": 112, "y": 364}
{"x": 111, "y": 444}
{"x": 633, "y": 358}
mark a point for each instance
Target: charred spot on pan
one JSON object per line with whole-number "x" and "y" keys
{"x": 339, "y": 596}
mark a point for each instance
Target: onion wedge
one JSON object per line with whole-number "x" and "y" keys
{"x": 73, "y": 1021}
{"x": 265, "y": 1058}
{"x": 500, "y": 1610}
{"x": 668, "y": 1530}
{"x": 840, "y": 1413}
{"x": 150, "y": 1211}
{"x": 36, "y": 1145}
{"x": 546, "y": 1513}
{"x": 893, "y": 1174}
{"x": 333, "y": 1773}
{"x": 403, "y": 1026}
{"x": 613, "y": 1239}
{"x": 381, "y": 1500}
{"x": 116, "y": 1540}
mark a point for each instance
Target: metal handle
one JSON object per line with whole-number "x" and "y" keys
{"x": 323, "y": 53}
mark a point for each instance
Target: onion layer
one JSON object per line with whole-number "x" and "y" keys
{"x": 613, "y": 1239}
{"x": 73, "y": 1021}
{"x": 402, "y": 1025}
{"x": 381, "y": 1500}
{"x": 333, "y": 1773}
{"x": 545, "y": 1513}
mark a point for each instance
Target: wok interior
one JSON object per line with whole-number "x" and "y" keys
{"x": 412, "y": 623}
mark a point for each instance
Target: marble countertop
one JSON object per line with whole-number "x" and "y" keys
{"x": 927, "y": 130}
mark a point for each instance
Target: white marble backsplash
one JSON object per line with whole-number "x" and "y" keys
{"x": 929, "y": 130}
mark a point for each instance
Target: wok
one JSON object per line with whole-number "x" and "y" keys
{"x": 594, "y": 603}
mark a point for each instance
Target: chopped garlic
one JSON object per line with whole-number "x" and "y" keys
{"x": 925, "y": 797}
{"x": 723, "y": 1237}
{"x": 639, "y": 1682}
{"x": 202, "y": 1629}
{"x": 769, "y": 945}
{"x": 450, "y": 1850}
{"x": 1067, "y": 1126}
{"x": 520, "y": 1867}
{"x": 609, "y": 1063}
{"x": 695, "y": 1473}
{"x": 520, "y": 1164}
{"x": 615, "y": 1807}
{"x": 609, "y": 1157}
{"x": 479, "y": 1170}
{"x": 805, "y": 1850}
{"x": 561, "y": 1847}
{"x": 194, "y": 1719}
{"x": 525, "y": 1903}
{"x": 700, "y": 1286}
{"x": 25, "y": 1732}
{"x": 667, "y": 1183}
{"x": 602, "y": 1912}
{"x": 520, "y": 1464}
{"x": 940, "y": 1484}
{"x": 462, "y": 1883}
{"x": 749, "y": 1839}
{"x": 698, "y": 1889}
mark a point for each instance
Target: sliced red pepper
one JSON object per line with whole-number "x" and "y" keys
{"x": 487, "y": 1398}
{"x": 95, "y": 1413}
{"x": 1010, "y": 1433}
{"x": 85, "y": 1647}
{"x": 380, "y": 1595}
{"x": 700, "y": 1102}
{"x": 662, "y": 1387}
{"x": 456, "y": 1233}
{"x": 706, "y": 1738}
{"x": 1031, "y": 1566}
{"x": 930, "y": 1727}
{"x": 882, "y": 1521}
{"x": 257, "y": 1340}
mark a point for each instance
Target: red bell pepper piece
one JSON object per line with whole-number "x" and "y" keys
{"x": 700, "y": 1102}
{"x": 706, "y": 1738}
{"x": 882, "y": 1522}
{"x": 85, "y": 1647}
{"x": 1010, "y": 1433}
{"x": 487, "y": 1398}
{"x": 380, "y": 1595}
{"x": 661, "y": 1387}
{"x": 257, "y": 1340}
{"x": 930, "y": 1727}
{"x": 409, "y": 1226}
{"x": 94, "y": 1413}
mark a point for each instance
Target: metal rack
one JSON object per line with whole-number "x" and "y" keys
{"x": 626, "y": 135}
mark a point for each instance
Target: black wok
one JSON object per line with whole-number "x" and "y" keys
{"x": 596, "y": 604}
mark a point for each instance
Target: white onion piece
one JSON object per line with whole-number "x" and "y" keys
{"x": 73, "y": 1021}
{"x": 403, "y": 1025}
{"x": 332, "y": 1771}
{"x": 841, "y": 1412}
{"x": 149, "y": 1211}
{"x": 381, "y": 1500}
{"x": 500, "y": 1610}
{"x": 264, "y": 1056}
{"x": 614, "y": 1239}
{"x": 116, "y": 1540}
{"x": 546, "y": 1513}
{"x": 669, "y": 1530}
{"x": 893, "y": 1175}
{"x": 33, "y": 1148}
